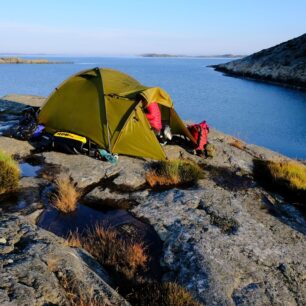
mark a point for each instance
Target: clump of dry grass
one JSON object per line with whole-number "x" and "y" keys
{"x": 174, "y": 172}
{"x": 66, "y": 197}
{"x": 237, "y": 144}
{"x": 210, "y": 150}
{"x": 286, "y": 177}
{"x": 119, "y": 255}
{"x": 74, "y": 293}
{"x": 74, "y": 240}
{"x": 162, "y": 294}
{"x": 9, "y": 173}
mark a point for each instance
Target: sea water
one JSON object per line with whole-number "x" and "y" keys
{"x": 259, "y": 113}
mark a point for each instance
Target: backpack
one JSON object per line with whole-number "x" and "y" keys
{"x": 199, "y": 132}
{"x": 70, "y": 143}
{"x": 24, "y": 129}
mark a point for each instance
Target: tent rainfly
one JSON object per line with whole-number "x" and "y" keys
{"x": 104, "y": 105}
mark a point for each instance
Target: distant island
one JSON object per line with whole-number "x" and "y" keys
{"x": 283, "y": 64}
{"x": 18, "y": 60}
{"x": 197, "y": 56}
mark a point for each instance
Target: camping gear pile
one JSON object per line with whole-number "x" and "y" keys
{"x": 100, "y": 113}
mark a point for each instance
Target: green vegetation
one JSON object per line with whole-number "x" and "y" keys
{"x": 9, "y": 173}
{"x": 162, "y": 294}
{"x": 285, "y": 177}
{"x": 174, "y": 172}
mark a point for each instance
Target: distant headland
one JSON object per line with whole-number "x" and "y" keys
{"x": 197, "y": 56}
{"x": 18, "y": 60}
{"x": 284, "y": 64}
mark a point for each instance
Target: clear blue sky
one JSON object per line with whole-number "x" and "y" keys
{"x": 131, "y": 27}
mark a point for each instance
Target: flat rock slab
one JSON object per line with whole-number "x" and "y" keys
{"x": 36, "y": 266}
{"x": 87, "y": 171}
{"x": 84, "y": 170}
{"x": 15, "y": 147}
{"x": 228, "y": 247}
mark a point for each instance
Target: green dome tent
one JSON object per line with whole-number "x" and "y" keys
{"x": 103, "y": 105}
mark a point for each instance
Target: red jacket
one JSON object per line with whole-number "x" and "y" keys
{"x": 154, "y": 116}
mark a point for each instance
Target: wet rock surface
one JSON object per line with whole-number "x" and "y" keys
{"x": 284, "y": 64}
{"x": 226, "y": 239}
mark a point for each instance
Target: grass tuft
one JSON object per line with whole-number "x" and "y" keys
{"x": 174, "y": 172}
{"x": 9, "y": 173}
{"x": 162, "y": 294}
{"x": 210, "y": 150}
{"x": 119, "y": 255}
{"x": 286, "y": 177}
{"x": 65, "y": 200}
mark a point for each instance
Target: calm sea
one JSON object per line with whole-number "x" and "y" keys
{"x": 263, "y": 114}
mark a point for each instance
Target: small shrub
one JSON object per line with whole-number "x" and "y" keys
{"x": 286, "y": 177}
{"x": 175, "y": 172}
{"x": 119, "y": 255}
{"x": 67, "y": 195}
{"x": 9, "y": 173}
{"x": 210, "y": 150}
{"x": 162, "y": 294}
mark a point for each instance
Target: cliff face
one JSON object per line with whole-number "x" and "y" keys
{"x": 284, "y": 64}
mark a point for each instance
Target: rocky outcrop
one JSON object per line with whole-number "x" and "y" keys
{"x": 18, "y": 60}
{"x": 38, "y": 268}
{"x": 226, "y": 239}
{"x": 284, "y": 64}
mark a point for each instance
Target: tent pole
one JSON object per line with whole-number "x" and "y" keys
{"x": 107, "y": 127}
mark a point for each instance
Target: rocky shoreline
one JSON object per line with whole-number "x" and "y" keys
{"x": 18, "y": 60}
{"x": 284, "y": 64}
{"x": 226, "y": 239}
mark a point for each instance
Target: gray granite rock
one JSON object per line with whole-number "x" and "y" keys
{"x": 284, "y": 64}
{"x": 226, "y": 239}
{"x": 229, "y": 247}
{"x": 15, "y": 147}
{"x": 84, "y": 170}
{"x": 36, "y": 267}
{"x": 87, "y": 171}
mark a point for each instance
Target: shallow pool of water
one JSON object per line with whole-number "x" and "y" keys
{"x": 84, "y": 218}
{"x": 28, "y": 170}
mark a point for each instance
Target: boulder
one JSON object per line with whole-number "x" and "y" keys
{"x": 38, "y": 268}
